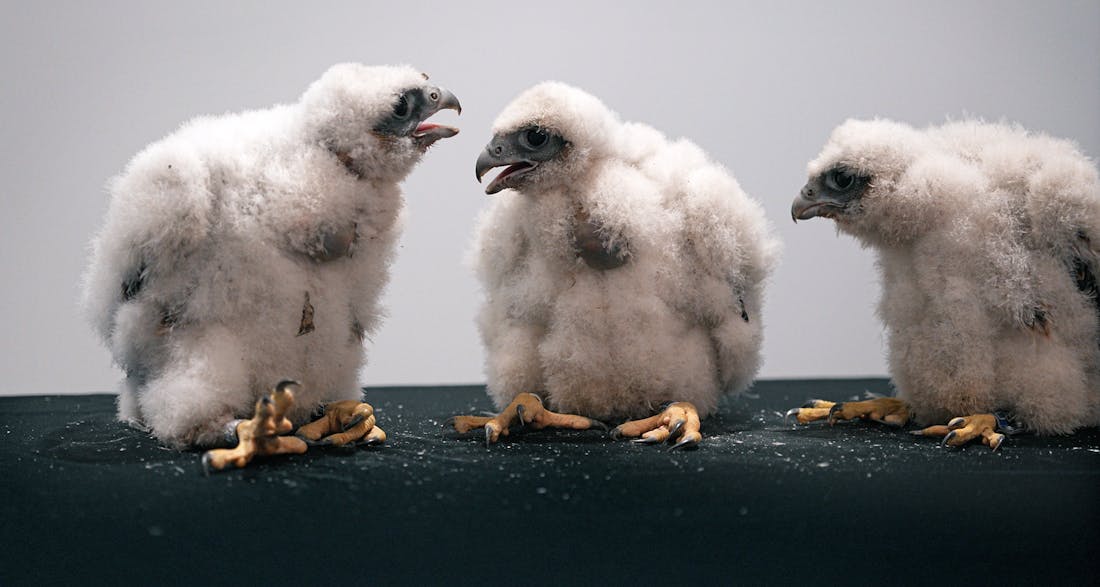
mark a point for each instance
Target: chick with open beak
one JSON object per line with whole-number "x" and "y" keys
{"x": 520, "y": 152}
{"x": 411, "y": 111}
{"x": 427, "y": 133}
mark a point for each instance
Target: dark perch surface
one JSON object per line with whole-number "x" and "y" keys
{"x": 86, "y": 500}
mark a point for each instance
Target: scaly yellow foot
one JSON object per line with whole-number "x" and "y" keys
{"x": 262, "y": 435}
{"x": 811, "y": 411}
{"x": 884, "y": 410}
{"x": 679, "y": 420}
{"x": 343, "y": 423}
{"x": 526, "y": 410}
{"x": 962, "y": 430}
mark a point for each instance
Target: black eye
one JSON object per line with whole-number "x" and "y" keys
{"x": 401, "y": 109}
{"x": 535, "y": 138}
{"x": 839, "y": 180}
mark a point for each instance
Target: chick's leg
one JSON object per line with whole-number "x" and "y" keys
{"x": 962, "y": 430}
{"x": 678, "y": 422}
{"x": 344, "y": 423}
{"x": 884, "y": 410}
{"x": 262, "y": 435}
{"x": 526, "y": 410}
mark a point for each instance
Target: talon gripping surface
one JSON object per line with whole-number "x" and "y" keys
{"x": 84, "y": 497}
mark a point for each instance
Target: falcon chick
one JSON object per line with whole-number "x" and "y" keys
{"x": 988, "y": 242}
{"x": 246, "y": 248}
{"x": 621, "y": 271}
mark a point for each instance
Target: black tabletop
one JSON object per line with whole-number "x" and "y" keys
{"x": 85, "y": 499}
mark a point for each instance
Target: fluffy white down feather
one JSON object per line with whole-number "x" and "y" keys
{"x": 665, "y": 326}
{"x": 976, "y": 227}
{"x": 219, "y": 224}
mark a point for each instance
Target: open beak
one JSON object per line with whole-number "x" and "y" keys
{"x": 498, "y": 153}
{"x": 427, "y": 133}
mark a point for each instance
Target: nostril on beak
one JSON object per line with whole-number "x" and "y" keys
{"x": 498, "y": 150}
{"x": 808, "y": 192}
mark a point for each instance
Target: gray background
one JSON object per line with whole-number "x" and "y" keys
{"x": 83, "y": 86}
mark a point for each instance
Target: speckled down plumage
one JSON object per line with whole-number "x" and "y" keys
{"x": 681, "y": 320}
{"x": 981, "y": 230}
{"x": 212, "y": 277}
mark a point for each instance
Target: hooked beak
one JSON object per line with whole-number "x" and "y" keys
{"x": 427, "y": 133}
{"x": 810, "y": 202}
{"x": 499, "y": 153}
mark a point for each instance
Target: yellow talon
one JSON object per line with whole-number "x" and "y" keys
{"x": 343, "y": 423}
{"x": 678, "y": 422}
{"x": 525, "y": 410}
{"x": 261, "y": 435}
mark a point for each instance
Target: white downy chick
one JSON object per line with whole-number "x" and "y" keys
{"x": 620, "y": 270}
{"x": 247, "y": 248}
{"x": 988, "y": 244}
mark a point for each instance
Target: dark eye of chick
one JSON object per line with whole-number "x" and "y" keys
{"x": 839, "y": 180}
{"x": 535, "y": 138}
{"x": 401, "y": 109}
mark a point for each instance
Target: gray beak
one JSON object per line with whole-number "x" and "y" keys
{"x": 427, "y": 133}
{"x": 446, "y": 101}
{"x": 803, "y": 208}
{"x": 498, "y": 153}
{"x": 486, "y": 161}
{"x": 810, "y": 202}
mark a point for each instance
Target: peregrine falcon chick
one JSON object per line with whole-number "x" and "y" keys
{"x": 621, "y": 272}
{"x": 988, "y": 244}
{"x": 247, "y": 248}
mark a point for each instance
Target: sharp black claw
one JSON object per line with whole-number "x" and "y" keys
{"x": 520, "y": 411}
{"x": 280, "y": 386}
{"x": 956, "y": 422}
{"x": 488, "y": 437}
{"x": 947, "y": 438}
{"x": 790, "y": 412}
{"x": 615, "y": 433}
{"x": 685, "y": 444}
{"x": 645, "y": 440}
{"x": 354, "y": 422}
{"x": 231, "y": 436}
{"x": 674, "y": 432}
{"x": 811, "y": 403}
{"x": 834, "y": 412}
{"x": 593, "y": 423}
{"x": 449, "y": 422}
